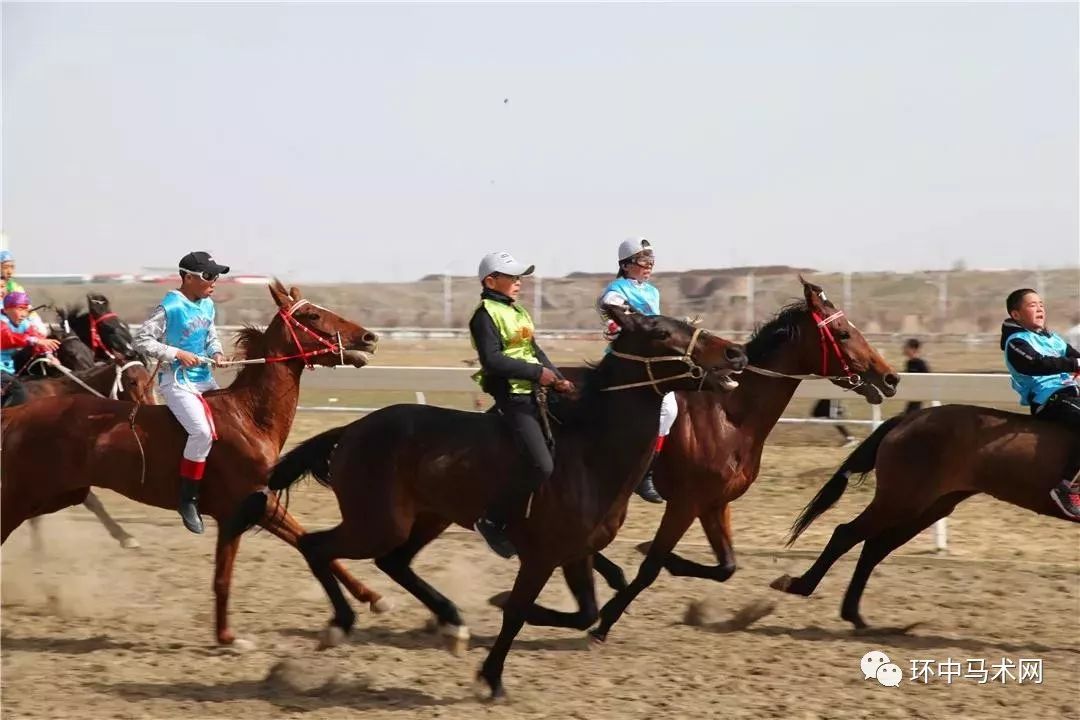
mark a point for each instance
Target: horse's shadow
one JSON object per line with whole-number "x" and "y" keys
{"x": 894, "y": 637}
{"x": 355, "y": 695}
{"x": 69, "y": 646}
{"x": 423, "y": 639}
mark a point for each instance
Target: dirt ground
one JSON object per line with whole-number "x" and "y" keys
{"x": 94, "y": 631}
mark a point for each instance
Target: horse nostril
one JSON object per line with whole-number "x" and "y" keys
{"x": 892, "y": 379}
{"x": 371, "y": 338}
{"x": 735, "y": 355}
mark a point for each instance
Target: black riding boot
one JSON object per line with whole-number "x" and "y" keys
{"x": 189, "y": 505}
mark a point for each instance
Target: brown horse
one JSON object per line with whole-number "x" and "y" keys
{"x": 403, "y": 474}
{"x": 713, "y": 453}
{"x": 927, "y": 463}
{"x": 135, "y": 450}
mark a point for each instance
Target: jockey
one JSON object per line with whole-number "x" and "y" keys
{"x": 512, "y": 367}
{"x": 17, "y": 332}
{"x": 9, "y": 285}
{"x": 180, "y": 334}
{"x": 1044, "y": 373}
{"x": 632, "y": 287}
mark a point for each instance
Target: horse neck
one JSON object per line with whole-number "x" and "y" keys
{"x": 269, "y": 394}
{"x": 759, "y": 401}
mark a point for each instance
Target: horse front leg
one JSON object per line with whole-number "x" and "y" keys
{"x": 716, "y": 522}
{"x": 531, "y": 578}
{"x": 224, "y": 559}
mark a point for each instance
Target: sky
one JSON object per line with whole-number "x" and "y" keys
{"x": 361, "y": 142}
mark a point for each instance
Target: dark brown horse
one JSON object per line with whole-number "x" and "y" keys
{"x": 927, "y": 463}
{"x": 713, "y": 453}
{"x": 84, "y": 441}
{"x": 403, "y": 474}
{"x": 102, "y": 330}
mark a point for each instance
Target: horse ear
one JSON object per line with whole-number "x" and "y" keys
{"x": 280, "y": 294}
{"x": 624, "y": 316}
{"x": 295, "y": 294}
{"x": 813, "y": 294}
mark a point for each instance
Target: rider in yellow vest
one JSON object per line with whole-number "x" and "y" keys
{"x": 512, "y": 368}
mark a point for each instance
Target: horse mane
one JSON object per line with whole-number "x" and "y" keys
{"x": 75, "y": 311}
{"x": 777, "y": 332}
{"x": 250, "y": 342}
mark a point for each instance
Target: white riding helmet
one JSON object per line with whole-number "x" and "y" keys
{"x": 632, "y": 246}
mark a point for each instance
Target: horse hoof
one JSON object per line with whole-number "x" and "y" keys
{"x": 130, "y": 543}
{"x": 432, "y": 625}
{"x": 239, "y": 646}
{"x": 331, "y": 636}
{"x": 644, "y": 547}
{"x": 382, "y": 605}
{"x": 782, "y": 583}
{"x": 499, "y": 600}
{"x": 226, "y": 637}
{"x": 455, "y": 639}
{"x": 596, "y": 639}
{"x": 485, "y": 693}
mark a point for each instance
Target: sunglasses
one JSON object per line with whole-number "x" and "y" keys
{"x": 207, "y": 276}
{"x": 514, "y": 278}
{"x": 644, "y": 261}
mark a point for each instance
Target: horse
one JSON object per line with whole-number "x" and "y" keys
{"x": 73, "y": 353}
{"x": 101, "y": 329}
{"x": 55, "y": 449}
{"x": 405, "y": 473}
{"x": 713, "y": 453}
{"x": 928, "y": 462}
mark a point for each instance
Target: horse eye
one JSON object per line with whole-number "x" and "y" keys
{"x": 843, "y": 335}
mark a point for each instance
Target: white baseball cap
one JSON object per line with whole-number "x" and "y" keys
{"x": 504, "y": 263}
{"x": 632, "y": 246}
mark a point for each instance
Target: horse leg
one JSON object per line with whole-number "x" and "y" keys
{"x": 531, "y": 578}
{"x": 844, "y": 537}
{"x": 878, "y": 547}
{"x": 676, "y": 521}
{"x": 282, "y": 524}
{"x": 224, "y": 559}
{"x": 612, "y": 573}
{"x": 397, "y": 564}
{"x": 578, "y": 575}
{"x": 94, "y": 505}
{"x": 320, "y": 549}
{"x": 717, "y": 525}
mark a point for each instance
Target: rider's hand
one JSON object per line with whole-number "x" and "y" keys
{"x": 47, "y": 344}
{"x": 187, "y": 359}
{"x": 218, "y": 359}
{"x": 564, "y": 386}
{"x": 547, "y": 377}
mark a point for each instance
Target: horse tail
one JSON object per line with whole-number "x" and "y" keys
{"x": 861, "y": 460}
{"x": 309, "y": 457}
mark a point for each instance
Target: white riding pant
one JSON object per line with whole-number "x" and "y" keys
{"x": 669, "y": 410}
{"x": 185, "y": 400}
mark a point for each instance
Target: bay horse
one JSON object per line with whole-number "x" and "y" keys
{"x": 713, "y": 453}
{"x": 405, "y": 473}
{"x": 54, "y": 449}
{"x": 927, "y": 463}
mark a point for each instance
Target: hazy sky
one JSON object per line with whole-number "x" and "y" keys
{"x": 361, "y": 142}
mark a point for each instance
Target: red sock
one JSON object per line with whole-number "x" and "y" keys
{"x": 192, "y": 469}
{"x": 660, "y": 443}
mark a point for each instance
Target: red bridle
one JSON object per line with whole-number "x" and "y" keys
{"x": 291, "y": 324}
{"x": 828, "y": 341}
{"x": 96, "y": 343}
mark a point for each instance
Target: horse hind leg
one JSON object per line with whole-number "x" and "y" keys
{"x": 613, "y": 574}
{"x": 716, "y": 522}
{"x": 93, "y": 504}
{"x": 319, "y": 550}
{"x": 878, "y": 547}
{"x": 578, "y": 575}
{"x": 397, "y": 564}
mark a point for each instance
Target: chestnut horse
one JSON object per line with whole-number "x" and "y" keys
{"x": 54, "y": 449}
{"x": 713, "y": 453}
{"x": 404, "y": 473}
{"x": 928, "y": 462}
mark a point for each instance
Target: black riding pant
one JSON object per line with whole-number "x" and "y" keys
{"x": 13, "y": 392}
{"x": 1064, "y": 407}
{"x": 522, "y": 414}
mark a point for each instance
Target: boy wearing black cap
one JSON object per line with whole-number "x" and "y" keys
{"x": 180, "y": 334}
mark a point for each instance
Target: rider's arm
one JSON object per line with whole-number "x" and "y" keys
{"x": 213, "y": 343}
{"x": 150, "y": 337}
{"x": 489, "y": 347}
{"x": 1029, "y": 361}
{"x": 543, "y": 358}
{"x": 11, "y": 339}
{"x": 611, "y": 328}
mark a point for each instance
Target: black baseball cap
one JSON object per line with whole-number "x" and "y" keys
{"x": 202, "y": 262}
